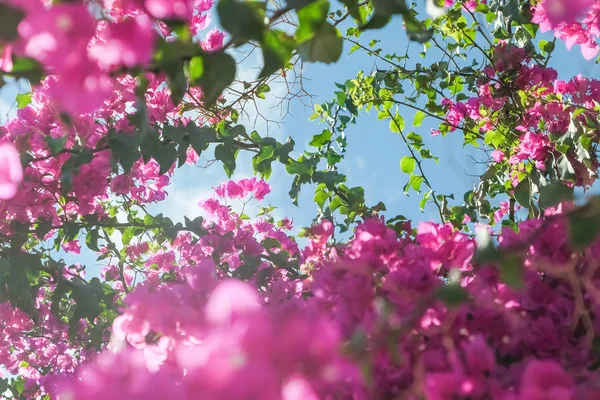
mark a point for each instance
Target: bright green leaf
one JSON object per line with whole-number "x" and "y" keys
{"x": 407, "y": 164}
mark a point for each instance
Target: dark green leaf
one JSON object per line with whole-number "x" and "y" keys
{"x": 511, "y": 271}
{"x": 522, "y": 193}
{"x": 196, "y": 226}
{"x": 311, "y": 18}
{"x": 200, "y": 137}
{"x": 27, "y": 68}
{"x": 452, "y": 294}
{"x": 219, "y": 72}
{"x": 56, "y": 145}
{"x": 91, "y": 240}
{"x": 174, "y": 133}
{"x": 125, "y": 148}
{"x": 9, "y": 21}
{"x": 226, "y": 154}
{"x": 325, "y": 46}
{"x": 554, "y": 193}
{"x": 242, "y": 19}
{"x": 177, "y": 80}
{"x": 584, "y": 224}
{"x": 277, "y": 49}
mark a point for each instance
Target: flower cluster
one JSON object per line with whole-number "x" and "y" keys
{"x": 84, "y": 55}
{"x": 373, "y": 319}
{"x": 532, "y": 132}
{"x": 573, "y": 21}
{"x": 229, "y": 307}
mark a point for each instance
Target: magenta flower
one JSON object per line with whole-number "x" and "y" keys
{"x": 558, "y": 11}
{"x": 72, "y": 247}
{"x": 213, "y": 41}
{"x": 546, "y": 380}
{"x": 11, "y": 171}
{"x": 6, "y": 63}
{"x": 128, "y": 43}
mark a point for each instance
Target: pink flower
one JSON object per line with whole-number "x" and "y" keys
{"x": 6, "y": 63}
{"x": 129, "y": 43}
{"x": 558, "y": 11}
{"x": 231, "y": 299}
{"x": 323, "y": 231}
{"x": 81, "y": 86}
{"x": 213, "y": 41}
{"x": 198, "y": 22}
{"x": 233, "y": 190}
{"x": 498, "y": 156}
{"x": 72, "y": 247}
{"x": 165, "y": 9}
{"x": 11, "y": 171}
{"x": 546, "y": 380}
{"x": 261, "y": 189}
{"x": 50, "y": 35}
{"x": 203, "y": 5}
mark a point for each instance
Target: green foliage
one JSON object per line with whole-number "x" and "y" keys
{"x": 219, "y": 73}
{"x": 242, "y": 19}
{"x": 9, "y": 21}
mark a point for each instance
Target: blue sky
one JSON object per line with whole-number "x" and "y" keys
{"x": 373, "y": 155}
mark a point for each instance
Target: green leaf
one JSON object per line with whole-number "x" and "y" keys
{"x": 354, "y": 9}
{"x": 9, "y": 21}
{"x": 242, "y": 19}
{"x": 27, "y": 68}
{"x": 565, "y": 168}
{"x": 321, "y": 139}
{"x": 419, "y": 117}
{"x": 195, "y": 226}
{"x": 522, "y": 193}
{"x": 511, "y": 271}
{"x": 407, "y": 164}
{"x": 87, "y": 299}
{"x": 299, "y": 168}
{"x": 271, "y": 243}
{"x": 71, "y": 166}
{"x": 261, "y": 90}
{"x": 397, "y": 123}
{"x": 196, "y": 69}
{"x": 174, "y": 133}
{"x": 584, "y": 224}
{"x": 23, "y": 272}
{"x": 554, "y": 193}
{"x": 125, "y": 148}
{"x": 277, "y": 48}
{"x": 165, "y": 157}
{"x": 495, "y": 138}
{"x": 549, "y": 47}
{"x": 321, "y": 197}
{"x": 56, "y": 145}
{"x": 91, "y": 240}
{"x": 219, "y": 72}
{"x": 177, "y": 80}
{"x": 415, "y": 29}
{"x": 415, "y": 182}
{"x": 200, "y": 137}
{"x": 311, "y": 18}
{"x": 226, "y": 154}
{"x": 23, "y": 99}
{"x": 377, "y": 21}
{"x": 325, "y": 46}
{"x": 452, "y": 294}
